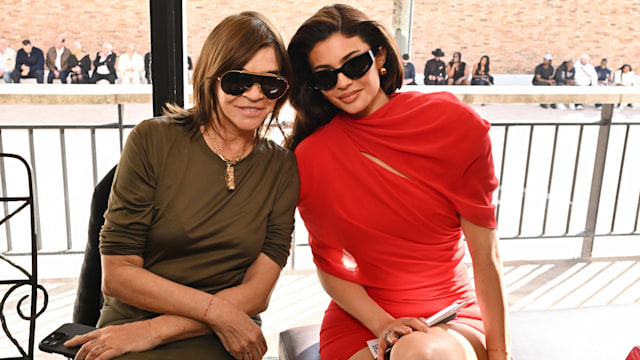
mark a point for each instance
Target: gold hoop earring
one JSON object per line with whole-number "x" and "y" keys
{"x": 383, "y": 71}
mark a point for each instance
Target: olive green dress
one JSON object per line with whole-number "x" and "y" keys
{"x": 169, "y": 204}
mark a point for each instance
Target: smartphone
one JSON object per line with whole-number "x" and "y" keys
{"x": 54, "y": 342}
{"x": 447, "y": 314}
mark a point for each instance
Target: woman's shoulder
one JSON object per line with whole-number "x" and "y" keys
{"x": 160, "y": 129}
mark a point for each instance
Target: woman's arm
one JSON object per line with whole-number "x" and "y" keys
{"x": 475, "y": 71}
{"x": 487, "y": 269}
{"x": 353, "y": 299}
{"x": 250, "y": 297}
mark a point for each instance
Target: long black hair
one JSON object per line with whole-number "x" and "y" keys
{"x": 486, "y": 66}
{"x": 312, "y": 109}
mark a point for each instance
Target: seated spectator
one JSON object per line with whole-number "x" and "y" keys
{"x": 604, "y": 73}
{"x": 480, "y": 73}
{"x": 565, "y": 74}
{"x": 29, "y": 63}
{"x": 104, "y": 65}
{"x": 585, "y": 75}
{"x": 7, "y": 60}
{"x": 624, "y": 77}
{"x": 457, "y": 72}
{"x": 543, "y": 76}
{"x": 435, "y": 70}
{"x": 409, "y": 71}
{"x": 604, "y": 76}
{"x": 147, "y": 67}
{"x": 79, "y": 65}
{"x": 130, "y": 66}
{"x": 57, "y": 61}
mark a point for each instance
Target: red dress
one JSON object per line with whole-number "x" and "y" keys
{"x": 398, "y": 236}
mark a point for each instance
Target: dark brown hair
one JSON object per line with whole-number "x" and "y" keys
{"x": 312, "y": 109}
{"x": 229, "y": 46}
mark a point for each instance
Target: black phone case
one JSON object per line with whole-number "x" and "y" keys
{"x": 54, "y": 342}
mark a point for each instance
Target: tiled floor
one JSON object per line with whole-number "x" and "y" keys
{"x": 299, "y": 299}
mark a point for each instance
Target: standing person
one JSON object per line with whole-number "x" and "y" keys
{"x": 435, "y": 70}
{"x": 388, "y": 183}
{"x": 457, "y": 72}
{"x": 79, "y": 65}
{"x": 29, "y": 63}
{"x": 201, "y": 211}
{"x": 130, "y": 66}
{"x": 104, "y": 65}
{"x": 543, "y": 76}
{"x": 585, "y": 75}
{"x": 7, "y": 60}
{"x": 57, "y": 61}
{"x": 480, "y": 74}
{"x": 409, "y": 71}
{"x": 624, "y": 77}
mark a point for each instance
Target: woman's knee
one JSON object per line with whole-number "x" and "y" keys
{"x": 437, "y": 344}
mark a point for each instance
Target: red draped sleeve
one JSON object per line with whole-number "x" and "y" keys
{"x": 399, "y": 235}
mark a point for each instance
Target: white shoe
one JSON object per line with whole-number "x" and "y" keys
{"x": 579, "y": 107}
{"x": 561, "y": 107}
{"x": 572, "y": 107}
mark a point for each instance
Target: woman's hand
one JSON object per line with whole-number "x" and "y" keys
{"x": 239, "y": 334}
{"x": 397, "y": 328}
{"x": 112, "y": 341}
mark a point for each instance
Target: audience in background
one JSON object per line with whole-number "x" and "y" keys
{"x": 543, "y": 76}
{"x": 565, "y": 74}
{"x": 79, "y": 65}
{"x": 147, "y": 67}
{"x": 409, "y": 71}
{"x": 29, "y": 63}
{"x": 7, "y": 60}
{"x": 585, "y": 75}
{"x": 130, "y": 66}
{"x": 57, "y": 61}
{"x": 604, "y": 73}
{"x": 457, "y": 72}
{"x": 480, "y": 74}
{"x": 104, "y": 65}
{"x": 624, "y": 77}
{"x": 435, "y": 70}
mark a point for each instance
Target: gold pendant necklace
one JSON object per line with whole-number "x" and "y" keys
{"x": 230, "y": 175}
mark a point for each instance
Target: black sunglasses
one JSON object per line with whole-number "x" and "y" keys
{"x": 237, "y": 82}
{"x": 354, "y": 69}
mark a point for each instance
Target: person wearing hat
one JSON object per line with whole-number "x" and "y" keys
{"x": 409, "y": 71}
{"x": 543, "y": 75}
{"x": 435, "y": 70}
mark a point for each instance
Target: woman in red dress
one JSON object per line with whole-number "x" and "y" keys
{"x": 389, "y": 183}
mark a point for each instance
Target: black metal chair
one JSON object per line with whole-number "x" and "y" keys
{"x": 89, "y": 298}
{"x": 30, "y": 279}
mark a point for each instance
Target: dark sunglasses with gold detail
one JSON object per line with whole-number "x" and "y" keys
{"x": 237, "y": 82}
{"x": 354, "y": 69}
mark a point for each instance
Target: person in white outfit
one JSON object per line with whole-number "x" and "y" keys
{"x": 624, "y": 77}
{"x": 130, "y": 66}
{"x": 7, "y": 60}
{"x": 585, "y": 75}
